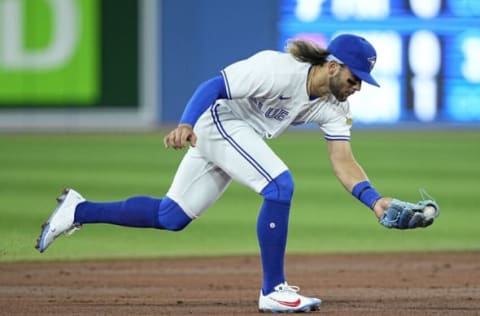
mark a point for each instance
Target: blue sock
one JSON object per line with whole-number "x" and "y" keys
{"x": 272, "y": 230}
{"x": 171, "y": 216}
{"x": 138, "y": 211}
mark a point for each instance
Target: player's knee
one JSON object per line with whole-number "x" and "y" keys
{"x": 174, "y": 226}
{"x": 171, "y": 216}
{"x": 280, "y": 189}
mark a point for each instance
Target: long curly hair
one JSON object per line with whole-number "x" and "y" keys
{"x": 307, "y": 52}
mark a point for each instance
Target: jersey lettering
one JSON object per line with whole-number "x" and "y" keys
{"x": 277, "y": 114}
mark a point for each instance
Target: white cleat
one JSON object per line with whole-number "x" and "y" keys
{"x": 285, "y": 299}
{"x": 61, "y": 221}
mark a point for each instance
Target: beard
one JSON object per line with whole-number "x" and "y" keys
{"x": 334, "y": 86}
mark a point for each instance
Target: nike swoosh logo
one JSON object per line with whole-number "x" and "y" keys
{"x": 289, "y": 304}
{"x": 282, "y": 97}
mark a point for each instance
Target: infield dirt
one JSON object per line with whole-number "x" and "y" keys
{"x": 379, "y": 284}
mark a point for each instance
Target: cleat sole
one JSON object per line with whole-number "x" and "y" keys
{"x": 306, "y": 309}
{"x": 37, "y": 245}
{"x": 45, "y": 225}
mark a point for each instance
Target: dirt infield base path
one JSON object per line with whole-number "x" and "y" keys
{"x": 393, "y": 284}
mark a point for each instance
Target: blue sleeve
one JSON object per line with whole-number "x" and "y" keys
{"x": 205, "y": 95}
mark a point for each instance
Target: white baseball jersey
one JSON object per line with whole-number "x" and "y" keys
{"x": 269, "y": 92}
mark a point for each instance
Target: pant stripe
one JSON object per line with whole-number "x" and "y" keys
{"x": 236, "y": 146}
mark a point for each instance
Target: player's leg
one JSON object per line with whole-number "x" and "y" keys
{"x": 246, "y": 158}
{"x": 252, "y": 163}
{"x": 197, "y": 179}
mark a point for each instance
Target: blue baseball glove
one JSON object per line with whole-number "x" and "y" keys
{"x": 405, "y": 215}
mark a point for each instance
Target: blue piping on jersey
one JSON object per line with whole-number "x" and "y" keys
{"x": 336, "y": 137}
{"x": 236, "y": 146}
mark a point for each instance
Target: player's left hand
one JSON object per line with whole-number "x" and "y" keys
{"x": 405, "y": 215}
{"x": 179, "y": 137}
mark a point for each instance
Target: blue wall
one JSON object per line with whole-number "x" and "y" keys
{"x": 200, "y": 37}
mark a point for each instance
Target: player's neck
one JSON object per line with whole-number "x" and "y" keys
{"x": 317, "y": 83}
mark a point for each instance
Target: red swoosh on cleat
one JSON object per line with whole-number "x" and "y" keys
{"x": 289, "y": 304}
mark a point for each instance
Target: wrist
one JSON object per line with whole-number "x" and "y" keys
{"x": 366, "y": 193}
{"x": 381, "y": 205}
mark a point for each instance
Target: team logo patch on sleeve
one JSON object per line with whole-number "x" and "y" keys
{"x": 349, "y": 121}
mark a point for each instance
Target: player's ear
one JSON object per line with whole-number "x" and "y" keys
{"x": 333, "y": 68}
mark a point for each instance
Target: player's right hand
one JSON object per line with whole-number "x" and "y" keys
{"x": 179, "y": 137}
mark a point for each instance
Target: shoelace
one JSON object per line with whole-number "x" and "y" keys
{"x": 288, "y": 288}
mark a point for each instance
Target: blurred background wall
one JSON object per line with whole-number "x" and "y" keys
{"x": 121, "y": 64}
{"x": 200, "y": 38}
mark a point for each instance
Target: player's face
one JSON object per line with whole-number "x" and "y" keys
{"x": 344, "y": 83}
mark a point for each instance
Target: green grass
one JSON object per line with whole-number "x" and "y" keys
{"x": 324, "y": 218}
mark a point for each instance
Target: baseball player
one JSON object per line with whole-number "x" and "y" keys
{"x": 225, "y": 123}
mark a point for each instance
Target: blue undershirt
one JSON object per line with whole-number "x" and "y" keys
{"x": 205, "y": 95}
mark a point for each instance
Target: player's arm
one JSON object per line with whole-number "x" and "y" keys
{"x": 392, "y": 213}
{"x": 353, "y": 177}
{"x": 205, "y": 95}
